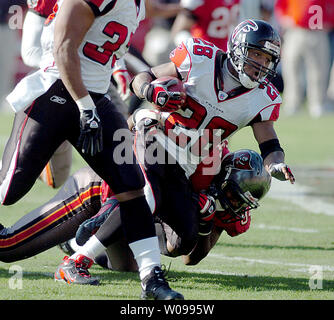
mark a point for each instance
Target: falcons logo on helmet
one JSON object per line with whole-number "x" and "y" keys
{"x": 245, "y": 26}
{"x": 242, "y": 161}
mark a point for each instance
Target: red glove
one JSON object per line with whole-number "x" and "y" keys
{"x": 207, "y": 206}
{"x": 207, "y": 211}
{"x": 168, "y": 95}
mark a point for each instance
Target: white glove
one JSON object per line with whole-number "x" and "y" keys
{"x": 281, "y": 171}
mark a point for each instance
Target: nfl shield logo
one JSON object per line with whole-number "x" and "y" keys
{"x": 222, "y": 95}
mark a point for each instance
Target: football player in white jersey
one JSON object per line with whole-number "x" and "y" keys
{"x": 58, "y": 168}
{"x": 65, "y": 100}
{"x": 225, "y": 92}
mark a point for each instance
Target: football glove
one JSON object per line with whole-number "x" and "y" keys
{"x": 159, "y": 94}
{"x": 281, "y": 171}
{"x": 90, "y": 226}
{"x": 207, "y": 206}
{"x": 207, "y": 211}
{"x": 90, "y": 139}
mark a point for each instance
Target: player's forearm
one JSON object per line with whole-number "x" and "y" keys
{"x": 139, "y": 82}
{"x": 200, "y": 251}
{"x": 68, "y": 63}
{"x": 202, "y": 248}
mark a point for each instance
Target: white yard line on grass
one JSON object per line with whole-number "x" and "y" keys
{"x": 300, "y": 195}
{"x": 268, "y": 227}
{"x": 273, "y": 262}
{"x": 223, "y": 273}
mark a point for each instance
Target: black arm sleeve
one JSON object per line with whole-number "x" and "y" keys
{"x": 269, "y": 146}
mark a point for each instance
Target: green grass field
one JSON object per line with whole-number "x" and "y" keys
{"x": 287, "y": 254}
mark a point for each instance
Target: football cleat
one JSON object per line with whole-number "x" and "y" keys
{"x": 155, "y": 287}
{"x": 76, "y": 271}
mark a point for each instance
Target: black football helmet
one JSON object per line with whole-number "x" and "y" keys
{"x": 254, "y": 34}
{"x": 241, "y": 182}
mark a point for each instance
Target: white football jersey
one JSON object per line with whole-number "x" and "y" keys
{"x": 106, "y": 41}
{"x": 210, "y": 114}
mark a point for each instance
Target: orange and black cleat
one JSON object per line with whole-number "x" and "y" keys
{"x": 76, "y": 271}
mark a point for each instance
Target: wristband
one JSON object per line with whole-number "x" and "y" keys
{"x": 85, "y": 103}
{"x": 269, "y": 146}
{"x": 143, "y": 89}
{"x": 120, "y": 71}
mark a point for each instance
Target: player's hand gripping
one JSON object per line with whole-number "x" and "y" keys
{"x": 281, "y": 171}
{"x": 160, "y": 95}
{"x": 207, "y": 211}
{"x": 90, "y": 139}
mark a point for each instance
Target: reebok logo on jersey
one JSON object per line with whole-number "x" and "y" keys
{"x": 57, "y": 99}
{"x": 93, "y": 125}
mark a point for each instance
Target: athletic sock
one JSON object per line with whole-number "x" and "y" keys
{"x": 147, "y": 255}
{"x": 91, "y": 249}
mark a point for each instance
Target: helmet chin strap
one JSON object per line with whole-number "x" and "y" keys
{"x": 246, "y": 81}
{"x": 243, "y": 78}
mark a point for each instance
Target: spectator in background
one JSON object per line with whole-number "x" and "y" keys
{"x": 262, "y": 10}
{"x": 305, "y": 36}
{"x": 330, "y": 19}
{"x": 7, "y": 52}
{"x": 211, "y": 20}
{"x": 250, "y": 9}
{"x": 330, "y": 91}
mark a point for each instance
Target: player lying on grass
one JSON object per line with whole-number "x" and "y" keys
{"x": 83, "y": 193}
{"x": 234, "y": 188}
